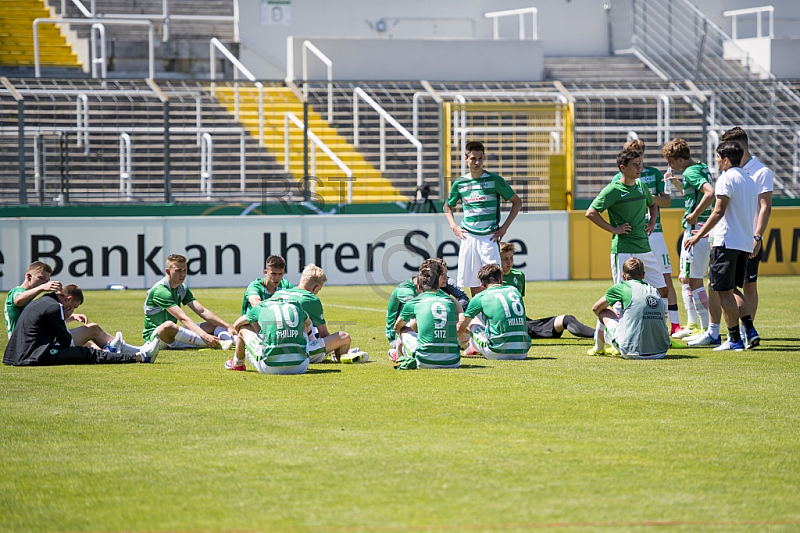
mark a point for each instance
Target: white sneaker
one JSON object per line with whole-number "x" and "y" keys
{"x": 695, "y": 336}
{"x": 226, "y": 344}
{"x": 354, "y": 355}
{"x": 149, "y": 350}
{"x": 115, "y": 346}
{"x": 704, "y": 340}
{"x": 730, "y": 346}
{"x": 688, "y": 330}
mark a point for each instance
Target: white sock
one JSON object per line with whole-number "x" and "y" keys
{"x": 666, "y": 305}
{"x": 700, "y": 298}
{"x": 688, "y": 303}
{"x": 674, "y": 318}
{"x": 713, "y": 330}
{"x": 189, "y": 337}
{"x": 129, "y": 348}
{"x": 599, "y": 336}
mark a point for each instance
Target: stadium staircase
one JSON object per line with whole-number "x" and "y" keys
{"x": 16, "y": 40}
{"x": 368, "y": 183}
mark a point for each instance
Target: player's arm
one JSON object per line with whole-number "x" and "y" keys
{"x": 448, "y": 214}
{"x": 516, "y": 205}
{"x": 78, "y": 317}
{"x": 702, "y": 205}
{"x": 597, "y": 219}
{"x": 242, "y": 322}
{"x": 599, "y": 305}
{"x": 716, "y": 215}
{"x": 765, "y": 205}
{"x": 652, "y": 211}
{"x": 207, "y": 315}
{"x": 24, "y": 298}
{"x": 254, "y": 300}
{"x": 184, "y": 319}
{"x": 663, "y": 199}
{"x": 399, "y": 324}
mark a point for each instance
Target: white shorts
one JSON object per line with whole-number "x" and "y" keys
{"x": 659, "y": 248}
{"x": 253, "y": 351}
{"x": 474, "y": 252}
{"x": 316, "y": 350}
{"x": 694, "y": 262}
{"x": 652, "y": 270}
{"x": 611, "y": 336}
{"x": 481, "y": 341}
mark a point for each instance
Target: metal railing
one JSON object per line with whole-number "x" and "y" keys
{"x": 91, "y": 22}
{"x": 496, "y": 15}
{"x": 216, "y": 44}
{"x": 82, "y": 122}
{"x": 289, "y": 119}
{"x": 98, "y": 57}
{"x": 206, "y": 165}
{"x": 359, "y": 93}
{"x": 165, "y": 16}
{"x": 125, "y": 166}
{"x": 757, "y": 11}
{"x": 307, "y": 45}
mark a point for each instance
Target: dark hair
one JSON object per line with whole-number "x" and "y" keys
{"x": 434, "y": 263}
{"x": 732, "y": 151}
{"x": 428, "y": 279}
{"x": 634, "y": 268}
{"x": 474, "y": 146}
{"x": 74, "y": 291}
{"x": 489, "y": 274}
{"x": 626, "y": 156}
{"x": 276, "y": 261}
{"x": 736, "y": 134}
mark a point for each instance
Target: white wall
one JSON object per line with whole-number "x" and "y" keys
{"x": 353, "y": 250}
{"x": 577, "y": 27}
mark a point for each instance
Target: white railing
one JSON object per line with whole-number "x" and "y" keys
{"x": 119, "y": 22}
{"x": 98, "y": 32}
{"x": 125, "y": 166}
{"x": 164, "y": 16}
{"x": 496, "y": 15}
{"x": 384, "y": 117}
{"x": 216, "y": 44}
{"x": 307, "y": 45}
{"x": 206, "y": 165}
{"x": 757, "y": 11}
{"x": 289, "y": 119}
{"x": 796, "y": 158}
{"x": 82, "y": 122}
{"x": 711, "y": 147}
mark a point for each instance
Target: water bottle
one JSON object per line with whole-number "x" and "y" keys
{"x": 668, "y": 181}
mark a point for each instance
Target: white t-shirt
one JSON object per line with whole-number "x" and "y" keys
{"x": 735, "y": 230}
{"x": 763, "y": 178}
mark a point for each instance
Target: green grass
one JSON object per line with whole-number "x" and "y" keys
{"x": 700, "y": 441}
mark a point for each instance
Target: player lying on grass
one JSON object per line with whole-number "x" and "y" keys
{"x": 263, "y": 288}
{"x": 427, "y": 327}
{"x": 41, "y": 337}
{"x": 640, "y": 332}
{"x": 551, "y": 327}
{"x": 408, "y": 289}
{"x": 319, "y": 341}
{"x": 165, "y": 318}
{"x": 37, "y": 281}
{"x": 502, "y": 334}
{"x": 272, "y": 337}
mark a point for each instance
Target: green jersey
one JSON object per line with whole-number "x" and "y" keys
{"x": 654, "y": 179}
{"x": 12, "y": 310}
{"x": 400, "y": 295}
{"x": 480, "y": 199}
{"x": 516, "y": 279}
{"x": 159, "y": 298}
{"x": 504, "y": 314}
{"x": 437, "y": 340}
{"x": 259, "y": 288}
{"x": 280, "y": 322}
{"x": 309, "y": 301}
{"x": 626, "y": 203}
{"x": 694, "y": 177}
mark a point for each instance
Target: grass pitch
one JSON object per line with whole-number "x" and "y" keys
{"x": 701, "y": 441}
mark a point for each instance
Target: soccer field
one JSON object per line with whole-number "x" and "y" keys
{"x": 700, "y": 441}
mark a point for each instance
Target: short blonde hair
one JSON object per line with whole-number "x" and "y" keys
{"x": 175, "y": 259}
{"x": 38, "y": 266}
{"x": 637, "y": 145}
{"x": 507, "y": 247}
{"x": 314, "y": 275}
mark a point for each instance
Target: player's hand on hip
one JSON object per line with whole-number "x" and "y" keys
{"x": 459, "y": 233}
{"x": 622, "y": 229}
{"x": 498, "y": 235}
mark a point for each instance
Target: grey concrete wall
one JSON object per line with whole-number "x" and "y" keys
{"x": 785, "y": 54}
{"x": 445, "y": 59}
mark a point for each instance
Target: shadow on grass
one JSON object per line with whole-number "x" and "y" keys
{"x": 679, "y": 356}
{"x": 540, "y": 358}
{"x": 774, "y": 348}
{"x": 471, "y": 366}
{"x": 323, "y": 371}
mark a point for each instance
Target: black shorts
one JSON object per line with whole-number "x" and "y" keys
{"x": 543, "y": 328}
{"x": 727, "y": 268}
{"x": 752, "y": 267}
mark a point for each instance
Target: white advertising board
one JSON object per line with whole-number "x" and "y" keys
{"x": 231, "y": 251}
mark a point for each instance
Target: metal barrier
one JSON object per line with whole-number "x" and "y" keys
{"x": 125, "y": 166}
{"x": 496, "y": 15}
{"x": 384, "y": 117}
{"x": 91, "y": 22}
{"x": 215, "y": 43}
{"x": 99, "y": 58}
{"x": 206, "y": 165}
{"x": 328, "y": 63}
{"x": 82, "y": 122}
{"x": 757, "y": 11}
